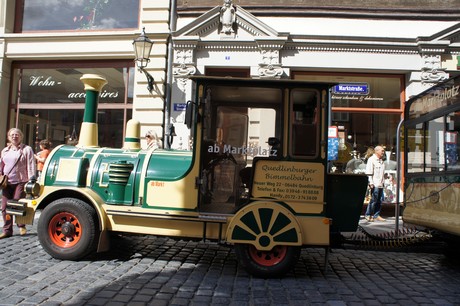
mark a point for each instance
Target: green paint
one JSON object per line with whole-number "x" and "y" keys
{"x": 91, "y": 106}
{"x": 265, "y": 217}
{"x": 241, "y": 234}
{"x": 131, "y": 139}
{"x": 280, "y": 223}
{"x": 250, "y": 221}
{"x": 288, "y": 236}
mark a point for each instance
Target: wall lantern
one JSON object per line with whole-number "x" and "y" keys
{"x": 142, "y": 47}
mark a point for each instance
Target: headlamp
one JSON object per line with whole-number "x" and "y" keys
{"x": 32, "y": 189}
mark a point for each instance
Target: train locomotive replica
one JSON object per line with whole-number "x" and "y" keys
{"x": 267, "y": 199}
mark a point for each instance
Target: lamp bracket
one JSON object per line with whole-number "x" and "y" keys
{"x": 150, "y": 80}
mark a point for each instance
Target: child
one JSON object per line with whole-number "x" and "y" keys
{"x": 42, "y": 155}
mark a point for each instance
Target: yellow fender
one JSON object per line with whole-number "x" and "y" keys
{"x": 264, "y": 225}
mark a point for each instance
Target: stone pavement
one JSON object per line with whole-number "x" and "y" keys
{"x": 150, "y": 270}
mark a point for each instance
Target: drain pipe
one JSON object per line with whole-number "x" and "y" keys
{"x": 168, "y": 129}
{"x": 398, "y": 172}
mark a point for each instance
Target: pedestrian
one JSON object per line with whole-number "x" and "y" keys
{"x": 152, "y": 140}
{"x": 370, "y": 151}
{"x": 367, "y": 155}
{"x": 375, "y": 170}
{"x": 17, "y": 161}
{"x": 41, "y": 156}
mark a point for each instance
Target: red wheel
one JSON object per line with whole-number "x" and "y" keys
{"x": 268, "y": 258}
{"x": 64, "y": 230}
{"x": 67, "y": 229}
{"x": 274, "y": 263}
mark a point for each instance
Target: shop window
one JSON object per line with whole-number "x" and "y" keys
{"x": 364, "y": 132}
{"x": 366, "y": 109}
{"x": 62, "y": 126}
{"x": 361, "y": 91}
{"x": 49, "y": 101}
{"x": 63, "y": 85}
{"x": 45, "y": 15}
{"x": 368, "y": 92}
{"x": 340, "y": 116}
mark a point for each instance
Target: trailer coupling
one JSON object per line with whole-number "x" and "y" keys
{"x": 388, "y": 240}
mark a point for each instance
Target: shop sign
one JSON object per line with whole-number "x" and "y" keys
{"x": 351, "y": 88}
{"x": 289, "y": 181}
{"x": 49, "y": 81}
{"x": 41, "y": 81}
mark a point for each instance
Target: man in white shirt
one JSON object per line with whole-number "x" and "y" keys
{"x": 375, "y": 170}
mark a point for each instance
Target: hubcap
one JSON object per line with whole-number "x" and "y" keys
{"x": 68, "y": 229}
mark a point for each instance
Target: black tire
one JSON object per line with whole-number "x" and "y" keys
{"x": 274, "y": 263}
{"x": 67, "y": 229}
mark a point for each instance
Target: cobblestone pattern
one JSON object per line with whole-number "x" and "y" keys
{"x": 149, "y": 270}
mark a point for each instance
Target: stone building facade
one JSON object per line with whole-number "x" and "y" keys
{"x": 45, "y": 46}
{"x": 397, "y": 48}
{"x": 398, "y": 51}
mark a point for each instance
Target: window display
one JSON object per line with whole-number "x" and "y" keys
{"x": 49, "y": 102}
{"x": 53, "y": 15}
{"x": 366, "y": 109}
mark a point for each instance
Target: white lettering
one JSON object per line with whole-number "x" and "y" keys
{"x": 82, "y": 95}
{"x": 41, "y": 81}
{"x": 252, "y": 151}
{"x": 76, "y": 95}
{"x": 213, "y": 149}
{"x": 107, "y": 94}
{"x": 350, "y": 88}
{"x": 439, "y": 98}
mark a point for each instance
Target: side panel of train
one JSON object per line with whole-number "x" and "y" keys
{"x": 434, "y": 204}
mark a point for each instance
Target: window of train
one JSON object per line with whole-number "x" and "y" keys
{"x": 304, "y": 122}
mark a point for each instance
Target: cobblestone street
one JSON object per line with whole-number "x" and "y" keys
{"x": 149, "y": 270}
